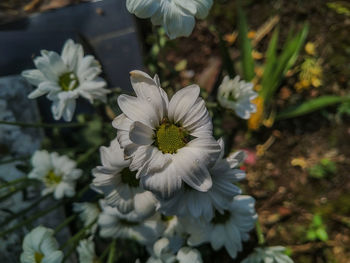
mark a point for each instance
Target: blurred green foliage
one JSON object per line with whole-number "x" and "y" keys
{"x": 324, "y": 168}
{"x": 317, "y": 230}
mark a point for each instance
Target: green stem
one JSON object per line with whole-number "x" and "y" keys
{"x": 64, "y": 223}
{"x": 43, "y": 125}
{"x": 73, "y": 241}
{"x": 15, "y": 159}
{"x": 105, "y": 253}
{"x": 24, "y": 178}
{"x": 111, "y": 252}
{"x": 14, "y": 190}
{"x": 30, "y": 219}
{"x": 259, "y": 233}
{"x": 83, "y": 157}
{"x": 17, "y": 215}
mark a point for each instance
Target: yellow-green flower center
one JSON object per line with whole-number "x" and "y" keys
{"x": 52, "y": 179}
{"x": 129, "y": 177}
{"x": 220, "y": 218}
{"x": 38, "y": 257}
{"x": 68, "y": 81}
{"x": 170, "y": 138}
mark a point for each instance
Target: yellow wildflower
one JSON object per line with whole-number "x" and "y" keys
{"x": 251, "y": 34}
{"x": 257, "y": 55}
{"x": 310, "y": 74}
{"x": 310, "y": 48}
{"x": 231, "y": 38}
{"x": 256, "y": 118}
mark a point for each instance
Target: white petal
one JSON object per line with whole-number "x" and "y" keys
{"x": 177, "y": 22}
{"x": 141, "y": 134}
{"x": 203, "y": 7}
{"x": 69, "y": 110}
{"x": 147, "y": 89}
{"x": 181, "y": 102}
{"x": 72, "y": 54}
{"x": 34, "y": 76}
{"x": 43, "y": 88}
{"x": 164, "y": 183}
{"x": 142, "y": 8}
{"x": 138, "y": 110}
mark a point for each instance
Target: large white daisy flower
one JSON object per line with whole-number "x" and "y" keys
{"x": 119, "y": 184}
{"x": 39, "y": 245}
{"x": 163, "y": 252}
{"x": 86, "y": 251}
{"x": 88, "y": 213}
{"x": 176, "y": 16}
{"x": 190, "y": 202}
{"x": 237, "y": 95}
{"x": 65, "y": 77}
{"x": 58, "y": 173}
{"x": 169, "y": 142}
{"x": 114, "y": 224}
{"x": 229, "y": 229}
{"x": 268, "y": 255}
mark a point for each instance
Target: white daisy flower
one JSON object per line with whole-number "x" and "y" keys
{"x": 193, "y": 203}
{"x": 39, "y": 245}
{"x": 229, "y": 229}
{"x": 114, "y": 224}
{"x": 58, "y": 173}
{"x": 169, "y": 142}
{"x": 65, "y": 77}
{"x": 119, "y": 184}
{"x": 237, "y": 95}
{"x": 86, "y": 251}
{"x": 163, "y": 252}
{"x": 189, "y": 255}
{"x": 176, "y": 16}
{"x": 268, "y": 255}
{"x": 88, "y": 213}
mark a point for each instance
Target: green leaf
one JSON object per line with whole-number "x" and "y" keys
{"x": 311, "y": 106}
{"x": 317, "y": 221}
{"x": 311, "y": 235}
{"x": 322, "y": 234}
{"x": 181, "y": 65}
{"x": 329, "y": 165}
{"x": 317, "y": 171}
{"x": 245, "y": 47}
{"x": 267, "y": 81}
{"x": 228, "y": 63}
{"x": 285, "y": 61}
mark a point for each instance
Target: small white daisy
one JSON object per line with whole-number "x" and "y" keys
{"x": 169, "y": 143}
{"x": 40, "y": 246}
{"x": 193, "y": 203}
{"x": 86, "y": 251}
{"x": 114, "y": 224}
{"x": 176, "y": 16}
{"x": 88, "y": 213}
{"x": 58, "y": 173}
{"x": 163, "y": 252}
{"x": 119, "y": 184}
{"x": 65, "y": 77}
{"x": 237, "y": 95}
{"x": 268, "y": 255}
{"x": 229, "y": 229}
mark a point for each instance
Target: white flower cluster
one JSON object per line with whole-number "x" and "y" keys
{"x": 236, "y": 95}
{"x": 165, "y": 181}
{"x": 58, "y": 173}
{"x": 166, "y": 161}
{"x": 65, "y": 77}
